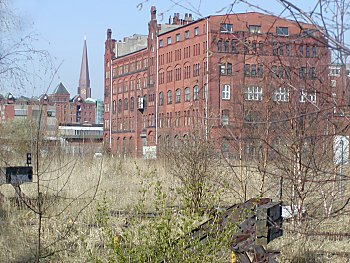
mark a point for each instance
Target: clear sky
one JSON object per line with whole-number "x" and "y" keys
{"x": 62, "y": 24}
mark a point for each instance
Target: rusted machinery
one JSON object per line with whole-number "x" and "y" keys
{"x": 259, "y": 222}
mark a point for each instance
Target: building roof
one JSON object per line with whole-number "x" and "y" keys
{"x": 61, "y": 90}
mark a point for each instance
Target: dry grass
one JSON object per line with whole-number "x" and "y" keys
{"x": 71, "y": 184}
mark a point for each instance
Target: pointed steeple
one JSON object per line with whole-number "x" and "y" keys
{"x": 84, "y": 89}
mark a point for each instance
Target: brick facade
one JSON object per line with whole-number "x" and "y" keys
{"x": 218, "y": 74}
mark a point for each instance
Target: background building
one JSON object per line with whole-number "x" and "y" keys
{"x": 227, "y": 75}
{"x": 74, "y": 119}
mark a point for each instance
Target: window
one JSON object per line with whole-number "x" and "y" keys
{"x": 126, "y": 106}
{"x": 196, "y": 92}
{"x": 253, "y": 72}
{"x": 161, "y": 98}
{"x": 169, "y": 40}
{"x": 253, "y": 29}
{"x": 222, "y": 69}
{"x": 132, "y": 104}
{"x": 334, "y": 71}
{"x": 178, "y": 38}
{"x": 120, "y": 105}
{"x": 281, "y": 94}
{"x": 219, "y": 45}
{"x": 224, "y": 117}
{"x": 274, "y": 49}
{"x": 187, "y": 34}
{"x": 253, "y": 93}
{"x": 246, "y": 47}
{"x": 301, "y": 50}
{"x": 308, "y": 32}
{"x": 314, "y": 51}
{"x": 196, "y": 31}
{"x": 302, "y": 72}
{"x": 333, "y": 83}
{"x": 246, "y": 70}
{"x": 307, "y": 53}
{"x": 312, "y": 73}
{"x": 170, "y": 97}
{"x": 225, "y": 94}
{"x": 178, "y": 96}
{"x": 261, "y": 48}
{"x": 224, "y": 28}
{"x": 282, "y": 31}
{"x": 234, "y": 46}
{"x": 161, "y": 43}
{"x": 226, "y": 45}
{"x": 114, "y": 108}
{"x": 187, "y": 94}
{"x": 307, "y": 96}
{"x": 229, "y": 68}
{"x": 288, "y": 50}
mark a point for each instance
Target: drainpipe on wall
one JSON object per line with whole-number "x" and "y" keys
{"x": 206, "y": 91}
{"x": 157, "y": 47}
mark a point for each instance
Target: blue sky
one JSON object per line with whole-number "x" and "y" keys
{"x": 61, "y": 26}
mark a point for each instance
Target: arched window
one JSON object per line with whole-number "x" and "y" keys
{"x": 132, "y": 104}
{"x": 220, "y": 45}
{"x": 187, "y": 94}
{"x": 145, "y": 101}
{"x": 234, "y": 46}
{"x": 126, "y": 104}
{"x": 170, "y": 97}
{"x": 196, "y": 92}
{"x": 226, "y": 45}
{"x": 120, "y": 105}
{"x": 178, "y": 96}
{"x": 161, "y": 98}
{"x": 114, "y": 106}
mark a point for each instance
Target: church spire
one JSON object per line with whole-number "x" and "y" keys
{"x": 84, "y": 89}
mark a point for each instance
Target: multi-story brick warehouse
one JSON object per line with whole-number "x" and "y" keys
{"x": 221, "y": 73}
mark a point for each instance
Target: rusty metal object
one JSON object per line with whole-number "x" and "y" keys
{"x": 259, "y": 221}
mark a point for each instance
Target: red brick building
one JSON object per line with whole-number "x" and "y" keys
{"x": 220, "y": 74}
{"x": 53, "y": 109}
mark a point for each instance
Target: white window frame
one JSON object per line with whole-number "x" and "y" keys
{"x": 254, "y": 29}
{"x": 279, "y": 31}
{"x": 196, "y": 31}
{"x": 253, "y": 93}
{"x": 281, "y": 95}
{"x": 307, "y": 96}
{"x": 226, "y": 92}
{"x": 226, "y": 27}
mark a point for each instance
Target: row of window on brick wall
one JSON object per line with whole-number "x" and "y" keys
{"x": 126, "y": 85}
{"x": 257, "y": 70}
{"x": 180, "y": 119}
{"x": 178, "y": 95}
{"x": 166, "y": 77}
{"x": 179, "y": 37}
{"x": 128, "y": 68}
{"x": 123, "y": 124}
{"x": 123, "y": 145}
{"x": 275, "y": 49}
{"x": 255, "y": 93}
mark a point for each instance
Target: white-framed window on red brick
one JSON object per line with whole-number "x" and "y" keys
{"x": 161, "y": 98}
{"x": 196, "y": 92}
{"x": 253, "y": 93}
{"x": 178, "y": 96}
{"x": 281, "y": 94}
{"x": 187, "y": 94}
{"x": 226, "y": 92}
{"x": 170, "y": 97}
